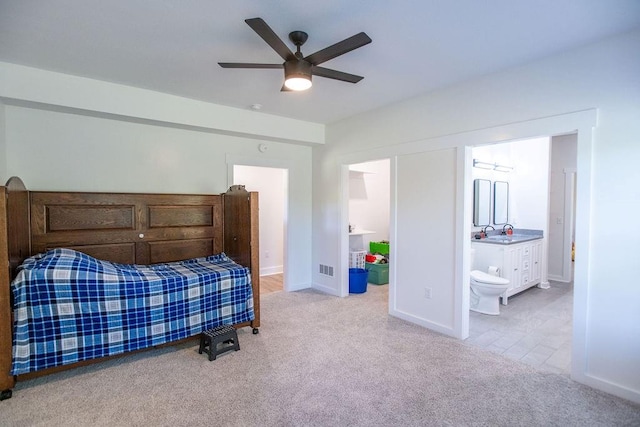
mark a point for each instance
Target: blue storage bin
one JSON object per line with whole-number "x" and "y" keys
{"x": 358, "y": 280}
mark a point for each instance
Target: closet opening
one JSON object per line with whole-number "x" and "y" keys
{"x": 369, "y": 219}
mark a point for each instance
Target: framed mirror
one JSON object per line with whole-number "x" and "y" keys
{"x": 500, "y": 202}
{"x": 481, "y": 202}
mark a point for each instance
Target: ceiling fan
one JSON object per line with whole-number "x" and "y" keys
{"x": 298, "y": 69}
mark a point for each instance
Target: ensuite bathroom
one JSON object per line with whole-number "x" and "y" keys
{"x": 522, "y": 234}
{"x": 522, "y": 243}
{"x": 522, "y": 250}
{"x": 510, "y": 205}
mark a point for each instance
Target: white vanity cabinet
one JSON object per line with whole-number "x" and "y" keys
{"x": 520, "y": 263}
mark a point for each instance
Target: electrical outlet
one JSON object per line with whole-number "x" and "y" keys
{"x": 427, "y": 293}
{"x": 266, "y": 254}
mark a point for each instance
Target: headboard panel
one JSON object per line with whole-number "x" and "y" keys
{"x": 128, "y": 228}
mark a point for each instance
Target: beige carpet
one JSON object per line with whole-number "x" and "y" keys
{"x": 318, "y": 360}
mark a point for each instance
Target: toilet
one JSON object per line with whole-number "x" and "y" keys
{"x": 486, "y": 290}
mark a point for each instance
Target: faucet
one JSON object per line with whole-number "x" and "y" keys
{"x": 508, "y": 230}
{"x": 484, "y": 230}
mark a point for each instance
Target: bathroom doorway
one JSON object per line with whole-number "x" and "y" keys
{"x": 271, "y": 185}
{"x": 536, "y": 325}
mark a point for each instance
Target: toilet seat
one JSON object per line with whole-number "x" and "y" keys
{"x": 487, "y": 279}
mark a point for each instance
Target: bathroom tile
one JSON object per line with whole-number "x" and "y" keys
{"x": 516, "y": 351}
{"x": 530, "y": 341}
{"x": 487, "y": 338}
{"x": 494, "y": 349}
{"x": 562, "y": 371}
{"x": 538, "y": 355}
{"x": 535, "y": 328}
{"x": 508, "y": 340}
{"x": 561, "y": 358}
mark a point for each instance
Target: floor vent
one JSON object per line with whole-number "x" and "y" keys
{"x": 327, "y": 270}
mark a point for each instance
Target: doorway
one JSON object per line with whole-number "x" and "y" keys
{"x": 369, "y": 218}
{"x": 271, "y": 185}
{"x": 536, "y": 325}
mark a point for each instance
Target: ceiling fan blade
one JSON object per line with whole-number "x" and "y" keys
{"x": 259, "y": 26}
{"x": 248, "y": 65}
{"x": 340, "y": 48}
{"x": 336, "y": 75}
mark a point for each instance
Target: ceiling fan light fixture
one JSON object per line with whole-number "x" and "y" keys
{"x": 298, "y": 83}
{"x": 297, "y": 75}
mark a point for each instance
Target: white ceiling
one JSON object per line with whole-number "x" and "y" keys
{"x": 174, "y": 46}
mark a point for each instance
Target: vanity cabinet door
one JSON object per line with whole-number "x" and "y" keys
{"x": 536, "y": 262}
{"x": 525, "y": 266}
{"x": 513, "y": 267}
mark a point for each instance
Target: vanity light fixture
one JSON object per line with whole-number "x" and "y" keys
{"x": 492, "y": 166}
{"x": 482, "y": 165}
{"x": 502, "y": 168}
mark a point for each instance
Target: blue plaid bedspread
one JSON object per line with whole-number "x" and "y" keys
{"x": 70, "y": 307}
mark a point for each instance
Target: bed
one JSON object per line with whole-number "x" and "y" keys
{"x": 94, "y": 275}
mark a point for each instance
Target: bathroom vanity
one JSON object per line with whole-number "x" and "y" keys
{"x": 519, "y": 258}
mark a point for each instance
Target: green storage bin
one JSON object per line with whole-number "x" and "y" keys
{"x": 378, "y": 273}
{"x": 379, "y": 248}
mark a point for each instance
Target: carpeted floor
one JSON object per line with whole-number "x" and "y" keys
{"x": 318, "y": 361}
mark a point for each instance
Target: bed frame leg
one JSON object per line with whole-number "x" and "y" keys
{"x": 5, "y": 394}
{"x": 256, "y": 331}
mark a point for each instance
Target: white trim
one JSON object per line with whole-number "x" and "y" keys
{"x": 268, "y": 271}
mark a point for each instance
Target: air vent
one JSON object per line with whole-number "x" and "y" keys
{"x": 327, "y": 270}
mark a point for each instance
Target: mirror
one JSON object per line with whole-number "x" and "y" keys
{"x": 500, "y": 202}
{"x": 481, "y": 202}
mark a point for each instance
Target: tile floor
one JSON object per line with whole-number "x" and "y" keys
{"x": 535, "y": 328}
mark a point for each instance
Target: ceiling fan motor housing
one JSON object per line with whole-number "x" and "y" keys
{"x": 297, "y": 68}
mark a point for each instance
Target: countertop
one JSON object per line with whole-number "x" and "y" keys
{"x": 495, "y": 237}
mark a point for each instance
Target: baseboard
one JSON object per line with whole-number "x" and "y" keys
{"x": 558, "y": 279}
{"x": 267, "y": 271}
{"x": 609, "y": 387}
{"x": 437, "y": 327}
{"x": 325, "y": 289}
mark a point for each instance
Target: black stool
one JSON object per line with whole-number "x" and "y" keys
{"x": 225, "y": 335}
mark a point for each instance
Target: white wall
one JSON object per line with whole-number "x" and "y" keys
{"x": 528, "y": 181}
{"x": 54, "y": 147}
{"x": 49, "y": 90}
{"x": 271, "y": 185}
{"x": 423, "y": 254}
{"x": 539, "y": 99}
{"x": 3, "y": 148}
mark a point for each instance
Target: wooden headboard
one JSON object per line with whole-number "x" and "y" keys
{"x": 128, "y": 228}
